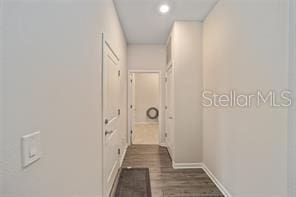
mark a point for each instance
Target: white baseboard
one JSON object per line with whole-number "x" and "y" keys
{"x": 170, "y": 150}
{"x": 207, "y": 171}
{"x": 147, "y": 122}
{"x": 216, "y": 181}
{"x": 163, "y": 144}
{"x": 190, "y": 166}
{"x": 123, "y": 154}
{"x": 112, "y": 192}
{"x": 186, "y": 165}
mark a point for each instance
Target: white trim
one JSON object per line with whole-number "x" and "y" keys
{"x": 187, "y": 165}
{"x": 130, "y": 102}
{"x": 146, "y": 122}
{"x": 159, "y": 72}
{"x": 219, "y": 185}
{"x": 144, "y": 71}
{"x": 101, "y": 70}
{"x": 113, "y": 189}
{"x": 106, "y": 184}
{"x": 123, "y": 155}
{"x": 170, "y": 135}
{"x": 170, "y": 150}
{"x": 216, "y": 181}
{"x": 163, "y": 144}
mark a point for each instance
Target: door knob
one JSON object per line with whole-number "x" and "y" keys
{"x": 108, "y": 132}
{"x": 171, "y": 117}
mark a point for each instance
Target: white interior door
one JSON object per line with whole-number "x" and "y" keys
{"x": 170, "y": 111}
{"x": 111, "y": 114}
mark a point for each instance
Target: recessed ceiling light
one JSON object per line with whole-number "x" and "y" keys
{"x": 164, "y": 8}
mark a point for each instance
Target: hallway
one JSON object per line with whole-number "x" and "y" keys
{"x": 146, "y": 134}
{"x": 166, "y": 181}
{"x": 199, "y": 94}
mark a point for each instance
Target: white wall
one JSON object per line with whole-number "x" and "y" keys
{"x": 52, "y": 84}
{"x": 1, "y": 103}
{"x": 150, "y": 57}
{"x": 146, "y": 95}
{"x": 292, "y": 111}
{"x": 187, "y": 58}
{"x": 245, "y": 48}
{"x": 146, "y": 57}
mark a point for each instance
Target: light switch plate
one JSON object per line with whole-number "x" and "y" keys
{"x": 31, "y": 148}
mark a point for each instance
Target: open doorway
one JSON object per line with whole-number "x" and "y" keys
{"x": 144, "y": 107}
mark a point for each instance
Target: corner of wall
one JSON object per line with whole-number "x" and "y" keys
{"x": 292, "y": 111}
{"x": 1, "y": 99}
{"x": 221, "y": 187}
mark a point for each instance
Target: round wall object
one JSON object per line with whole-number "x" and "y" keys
{"x": 152, "y": 113}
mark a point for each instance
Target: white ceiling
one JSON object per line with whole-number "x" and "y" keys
{"x": 143, "y": 24}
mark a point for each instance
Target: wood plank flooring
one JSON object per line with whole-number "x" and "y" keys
{"x": 166, "y": 181}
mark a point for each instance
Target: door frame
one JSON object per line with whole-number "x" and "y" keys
{"x": 104, "y": 40}
{"x": 170, "y": 146}
{"x": 159, "y": 72}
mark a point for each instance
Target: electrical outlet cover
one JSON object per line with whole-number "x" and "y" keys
{"x": 31, "y": 148}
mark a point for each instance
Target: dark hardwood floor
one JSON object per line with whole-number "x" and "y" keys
{"x": 166, "y": 181}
